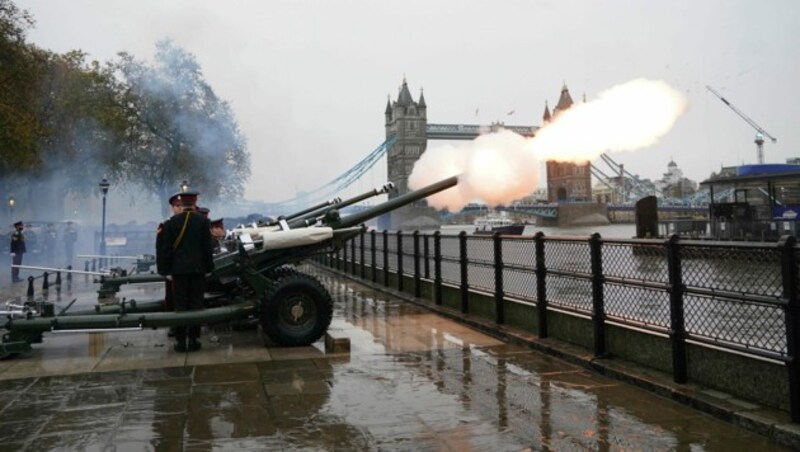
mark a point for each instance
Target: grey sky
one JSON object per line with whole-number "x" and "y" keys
{"x": 308, "y": 80}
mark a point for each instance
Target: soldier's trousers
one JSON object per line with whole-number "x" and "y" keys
{"x": 16, "y": 260}
{"x": 187, "y": 295}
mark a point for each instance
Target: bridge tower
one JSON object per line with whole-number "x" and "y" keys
{"x": 407, "y": 120}
{"x": 566, "y": 181}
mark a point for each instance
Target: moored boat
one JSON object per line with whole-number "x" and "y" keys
{"x": 501, "y": 224}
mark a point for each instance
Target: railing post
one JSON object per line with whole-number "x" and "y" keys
{"x": 58, "y": 278}
{"x": 45, "y": 282}
{"x": 400, "y": 261}
{"x": 789, "y": 270}
{"x": 437, "y": 267}
{"x": 339, "y": 259}
{"x": 344, "y": 257}
{"x": 427, "y": 253}
{"x": 362, "y": 253}
{"x": 462, "y": 259}
{"x": 353, "y": 256}
{"x": 417, "y": 276}
{"x": 677, "y": 333}
{"x": 30, "y": 287}
{"x": 598, "y": 303}
{"x": 386, "y": 258}
{"x": 499, "y": 294}
{"x": 94, "y": 265}
{"x": 541, "y": 284}
{"x": 373, "y": 256}
{"x": 69, "y": 274}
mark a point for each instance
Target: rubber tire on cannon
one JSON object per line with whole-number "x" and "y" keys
{"x": 296, "y": 310}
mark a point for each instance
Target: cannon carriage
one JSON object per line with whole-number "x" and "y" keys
{"x": 252, "y": 280}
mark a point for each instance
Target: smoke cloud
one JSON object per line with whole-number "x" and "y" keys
{"x": 500, "y": 167}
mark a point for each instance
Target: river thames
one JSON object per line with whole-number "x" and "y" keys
{"x": 615, "y": 231}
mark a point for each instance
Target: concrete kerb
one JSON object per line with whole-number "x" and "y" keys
{"x": 766, "y": 421}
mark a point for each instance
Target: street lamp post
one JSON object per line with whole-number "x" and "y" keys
{"x": 11, "y": 202}
{"x": 104, "y": 189}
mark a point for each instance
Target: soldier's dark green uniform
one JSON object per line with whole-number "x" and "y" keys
{"x": 184, "y": 254}
{"x": 17, "y": 250}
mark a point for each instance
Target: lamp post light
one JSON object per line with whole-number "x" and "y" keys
{"x": 104, "y": 189}
{"x": 11, "y": 202}
{"x": 184, "y": 186}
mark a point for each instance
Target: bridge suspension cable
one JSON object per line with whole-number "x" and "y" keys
{"x": 638, "y": 186}
{"x": 344, "y": 180}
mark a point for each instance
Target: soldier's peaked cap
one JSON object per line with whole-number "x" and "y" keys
{"x": 184, "y": 197}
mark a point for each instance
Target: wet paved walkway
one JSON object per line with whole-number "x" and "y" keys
{"x": 412, "y": 381}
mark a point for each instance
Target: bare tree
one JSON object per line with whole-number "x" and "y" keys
{"x": 177, "y": 128}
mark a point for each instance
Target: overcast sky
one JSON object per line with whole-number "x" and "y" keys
{"x": 308, "y": 80}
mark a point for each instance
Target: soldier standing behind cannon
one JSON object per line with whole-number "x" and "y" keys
{"x": 17, "y": 250}
{"x": 184, "y": 256}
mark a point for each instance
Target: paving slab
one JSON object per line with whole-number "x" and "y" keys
{"x": 412, "y": 381}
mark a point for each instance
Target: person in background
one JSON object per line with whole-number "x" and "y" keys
{"x": 70, "y": 237}
{"x": 218, "y": 234}
{"x": 17, "y": 250}
{"x": 50, "y": 236}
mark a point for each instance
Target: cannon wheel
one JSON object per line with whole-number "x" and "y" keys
{"x": 296, "y": 310}
{"x": 281, "y": 272}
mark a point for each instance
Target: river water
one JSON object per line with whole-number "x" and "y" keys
{"x": 615, "y": 231}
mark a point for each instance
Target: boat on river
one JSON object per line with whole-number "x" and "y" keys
{"x": 499, "y": 223}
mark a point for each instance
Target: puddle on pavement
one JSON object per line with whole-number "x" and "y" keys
{"x": 413, "y": 381}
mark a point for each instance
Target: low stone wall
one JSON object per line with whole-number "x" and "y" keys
{"x": 572, "y": 215}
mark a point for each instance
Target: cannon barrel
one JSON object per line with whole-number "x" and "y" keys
{"x": 375, "y": 192}
{"x": 392, "y": 204}
{"x": 306, "y": 220}
{"x": 229, "y": 265}
{"x": 312, "y": 209}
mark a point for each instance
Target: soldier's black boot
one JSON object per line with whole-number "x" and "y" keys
{"x": 180, "y": 340}
{"x": 193, "y": 345}
{"x": 180, "y": 346}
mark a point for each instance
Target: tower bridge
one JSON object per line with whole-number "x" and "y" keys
{"x": 406, "y": 121}
{"x": 407, "y": 133}
{"x": 472, "y": 131}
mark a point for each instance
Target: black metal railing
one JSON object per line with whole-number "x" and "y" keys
{"x": 736, "y": 296}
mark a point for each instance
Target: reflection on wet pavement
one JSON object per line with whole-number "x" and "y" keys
{"x": 413, "y": 381}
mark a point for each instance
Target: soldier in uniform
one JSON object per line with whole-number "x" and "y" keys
{"x": 17, "y": 250}
{"x": 184, "y": 256}
{"x": 218, "y": 234}
{"x": 176, "y": 208}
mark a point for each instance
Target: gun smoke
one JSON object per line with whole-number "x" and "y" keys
{"x": 498, "y": 168}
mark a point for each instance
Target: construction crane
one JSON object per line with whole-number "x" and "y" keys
{"x": 760, "y": 132}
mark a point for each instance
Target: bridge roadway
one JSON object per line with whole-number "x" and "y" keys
{"x": 412, "y": 381}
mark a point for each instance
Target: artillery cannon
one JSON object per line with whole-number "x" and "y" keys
{"x": 251, "y": 280}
